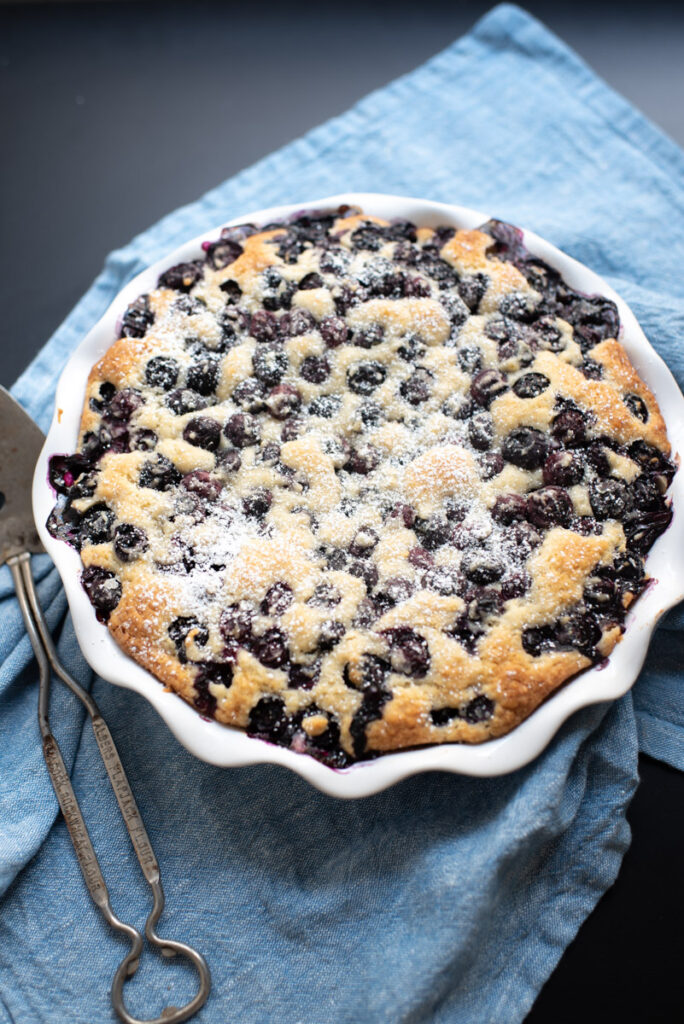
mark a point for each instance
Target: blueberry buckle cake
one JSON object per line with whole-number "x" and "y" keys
{"x": 356, "y": 486}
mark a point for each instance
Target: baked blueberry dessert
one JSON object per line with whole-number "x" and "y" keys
{"x": 356, "y": 486}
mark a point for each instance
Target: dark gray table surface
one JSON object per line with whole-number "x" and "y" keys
{"x": 104, "y": 109}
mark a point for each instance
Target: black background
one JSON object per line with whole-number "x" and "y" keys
{"x": 114, "y": 114}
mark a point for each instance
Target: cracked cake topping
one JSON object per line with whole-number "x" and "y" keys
{"x": 356, "y": 486}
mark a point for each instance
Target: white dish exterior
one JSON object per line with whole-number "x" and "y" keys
{"x": 230, "y": 747}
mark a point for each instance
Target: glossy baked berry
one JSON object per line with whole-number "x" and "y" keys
{"x": 563, "y": 469}
{"x": 481, "y": 430}
{"x": 202, "y": 485}
{"x": 409, "y": 653}
{"x": 481, "y": 566}
{"x": 264, "y": 326}
{"x": 296, "y": 322}
{"x": 103, "y": 590}
{"x": 531, "y": 385}
{"x": 159, "y": 474}
{"x": 203, "y": 432}
{"x": 228, "y": 461}
{"x": 569, "y": 428}
{"x": 364, "y": 377}
{"x": 278, "y": 599}
{"x": 97, "y": 525}
{"x": 203, "y": 376}
{"x": 257, "y": 503}
{"x": 182, "y": 277}
{"x": 363, "y": 458}
{"x": 470, "y": 359}
{"x": 270, "y": 364}
{"x": 283, "y": 401}
{"x": 130, "y": 542}
{"x": 184, "y": 400}
{"x": 525, "y": 447}
{"x": 314, "y": 369}
{"x": 250, "y": 395}
{"x": 610, "y": 499}
{"x": 242, "y": 430}
{"x": 137, "y": 318}
{"x": 509, "y": 508}
{"x": 488, "y": 385}
{"x": 417, "y": 388}
{"x": 637, "y": 407}
{"x": 334, "y": 331}
{"x": 549, "y": 506}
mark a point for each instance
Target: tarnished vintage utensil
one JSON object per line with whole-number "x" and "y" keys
{"x": 20, "y": 444}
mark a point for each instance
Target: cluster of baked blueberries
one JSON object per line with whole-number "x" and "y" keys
{"x": 487, "y": 577}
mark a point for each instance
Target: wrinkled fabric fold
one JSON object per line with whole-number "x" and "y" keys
{"x": 443, "y": 899}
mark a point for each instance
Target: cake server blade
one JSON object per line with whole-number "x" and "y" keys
{"x": 20, "y": 444}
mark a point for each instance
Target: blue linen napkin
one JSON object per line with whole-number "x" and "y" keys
{"x": 445, "y": 898}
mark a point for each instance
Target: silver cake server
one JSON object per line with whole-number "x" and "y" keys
{"x": 20, "y": 444}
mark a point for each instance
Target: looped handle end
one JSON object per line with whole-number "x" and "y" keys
{"x": 168, "y": 948}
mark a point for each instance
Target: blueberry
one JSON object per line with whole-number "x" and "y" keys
{"x": 270, "y": 364}
{"x": 545, "y": 335}
{"x": 314, "y": 369}
{"x": 643, "y": 529}
{"x": 433, "y": 532}
{"x": 182, "y": 277}
{"x": 470, "y": 359}
{"x": 330, "y": 634}
{"x": 481, "y": 430}
{"x": 412, "y": 350}
{"x": 563, "y": 469}
{"x": 222, "y": 253}
{"x": 488, "y": 385}
{"x": 479, "y": 709}
{"x": 629, "y": 567}
{"x": 236, "y": 620}
{"x": 442, "y": 580}
{"x": 97, "y": 524}
{"x": 187, "y": 628}
{"x": 103, "y": 590}
{"x": 369, "y": 337}
{"x": 537, "y": 640}
{"x": 472, "y": 289}
{"x": 232, "y": 291}
{"x": 159, "y": 475}
{"x": 515, "y": 585}
{"x": 137, "y": 318}
{"x": 338, "y": 449}
{"x": 325, "y": 406}
{"x": 325, "y": 595}
{"x": 292, "y": 428}
{"x": 637, "y": 407}
{"x": 364, "y": 542}
{"x": 420, "y": 557}
{"x": 525, "y": 447}
{"x": 203, "y": 376}
{"x": 363, "y": 459}
{"x": 364, "y": 377}
{"x": 418, "y": 387}
{"x": 509, "y": 508}
{"x": 124, "y": 403}
{"x": 228, "y": 461}
{"x": 367, "y": 237}
{"x": 651, "y": 458}
{"x": 203, "y": 432}
{"x": 610, "y": 499}
{"x": 202, "y": 484}
{"x": 579, "y": 630}
{"x": 569, "y": 427}
{"x": 531, "y": 385}
{"x": 284, "y": 400}
{"x": 303, "y": 677}
{"x": 334, "y": 261}
{"x": 310, "y": 281}
{"x": 481, "y": 566}
{"x": 269, "y": 720}
{"x": 370, "y": 413}
{"x": 257, "y": 503}
{"x": 417, "y": 287}
{"x": 440, "y": 271}
{"x": 591, "y": 369}
{"x": 646, "y": 494}
{"x": 603, "y": 593}
{"x": 271, "y": 648}
{"x": 518, "y": 306}
{"x": 184, "y": 400}
{"x": 366, "y": 571}
{"x": 143, "y": 439}
{"x": 130, "y": 542}
{"x": 549, "y": 506}
{"x": 65, "y": 471}
{"x": 336, "y": 559}
{"x": 264, "y": 326}
{"x": 334, "y": 331}
{"x": 296, "y": 323}
{"x": 459, "y": 407}
{"x": 278, "y": 599}
{"x": 409, "y": 652}
{"x": 242, "y": 430}
{"x": 368, "y": 675}
{"x": 392, "y": 592}
{"x": 250, "y": 395}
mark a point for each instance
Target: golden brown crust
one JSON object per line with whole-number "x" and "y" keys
{"x": 396, "y": 634}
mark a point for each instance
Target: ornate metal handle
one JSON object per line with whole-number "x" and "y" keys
{"x": 46, "y": 656}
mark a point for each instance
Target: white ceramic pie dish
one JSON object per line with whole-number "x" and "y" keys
{"x": 229, "y": 747}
